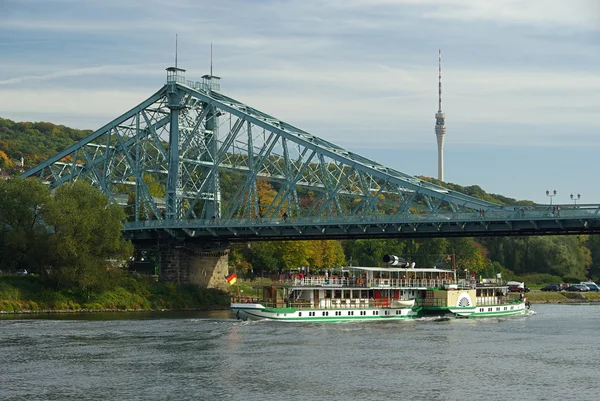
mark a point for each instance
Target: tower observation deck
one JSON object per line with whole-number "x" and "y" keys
{"x": 440, "y": 123}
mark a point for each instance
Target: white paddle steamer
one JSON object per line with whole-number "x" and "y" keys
{"x": 380, "y": 293}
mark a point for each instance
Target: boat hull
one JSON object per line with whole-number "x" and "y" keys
{"x": 491, "y": 310}
{"x": 259, "y": 312}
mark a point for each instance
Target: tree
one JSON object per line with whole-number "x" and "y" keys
{"x": 4, "y": 161}
{"x": 325, "y": 254}
{"x": 467, "y": 254}
{"x": 87, "y": 236}
{"x": 265, "y": 256}
{"x": 24, "y": 234}
{"x": 593, "y": 244}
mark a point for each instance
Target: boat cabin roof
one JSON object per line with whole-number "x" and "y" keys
{"x": 400, "y": 269}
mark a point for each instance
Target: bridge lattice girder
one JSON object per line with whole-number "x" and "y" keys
{"x": 190, "y": 161}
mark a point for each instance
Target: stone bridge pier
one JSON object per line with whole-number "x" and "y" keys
{"x": 187, "y": 263}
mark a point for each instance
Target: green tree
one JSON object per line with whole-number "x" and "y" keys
{"x": 24, "y": 235}
{"x": 593, "y": 245}
{"x": 467, "y": 253}
{"x": 265, "y": 256}
{"x": 87, "y": 236}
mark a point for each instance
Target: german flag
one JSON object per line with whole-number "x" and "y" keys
{"x": 231, "y": 279}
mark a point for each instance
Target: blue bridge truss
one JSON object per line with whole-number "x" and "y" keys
{"x": 190, "y": 163}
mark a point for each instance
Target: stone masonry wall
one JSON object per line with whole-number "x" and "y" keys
{"x": 188, "y": 265}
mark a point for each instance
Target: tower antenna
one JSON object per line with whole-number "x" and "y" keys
{"x": 440, "y": 122}
{"x": 211, "y": 59}
{"x": 440, "y": 80}
{"x": 175, "y": 50}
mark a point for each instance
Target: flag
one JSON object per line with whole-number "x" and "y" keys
{"x": 231, "y": 279}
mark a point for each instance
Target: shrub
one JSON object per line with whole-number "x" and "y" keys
{"x": 573, "y": 279}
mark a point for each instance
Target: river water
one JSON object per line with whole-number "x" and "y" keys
{"x": 551, "y": 354}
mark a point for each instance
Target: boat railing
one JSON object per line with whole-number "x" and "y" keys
{"x": 495, "y": 300}
{"x": 319, "y": 281}
{"x": 411, "y": 283}
{"x": 335, "y": 303}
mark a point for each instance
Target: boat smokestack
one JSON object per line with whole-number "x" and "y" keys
{"x": 394, "y": 261}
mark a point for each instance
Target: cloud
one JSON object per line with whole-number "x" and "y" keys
{"x": 554, "y": 13}
{"x": 95, "y": 71}
{"x": 104, "y": 104}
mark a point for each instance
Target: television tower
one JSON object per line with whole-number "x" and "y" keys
{"x": 440, "y": 123}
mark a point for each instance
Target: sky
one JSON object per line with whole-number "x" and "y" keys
{"x": 521, "y": 78}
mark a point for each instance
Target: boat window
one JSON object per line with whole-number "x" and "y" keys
{"x": 299, "y": 314}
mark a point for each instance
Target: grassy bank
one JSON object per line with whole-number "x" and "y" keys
{"x": 31, "y": 294}
{"x": 541, "y": 297}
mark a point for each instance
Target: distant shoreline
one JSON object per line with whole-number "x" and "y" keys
{"x": 82, "y": 311}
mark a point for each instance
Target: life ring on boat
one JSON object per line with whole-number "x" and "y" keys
{"x": 360, "y": 282}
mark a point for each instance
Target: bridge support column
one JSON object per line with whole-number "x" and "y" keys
{"x": 190, "y": 265}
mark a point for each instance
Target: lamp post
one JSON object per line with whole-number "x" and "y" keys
{"x": 575, "y": 198}
{"x": 551, "y": 195}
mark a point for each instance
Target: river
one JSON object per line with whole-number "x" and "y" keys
{"x": 551, "y": 354}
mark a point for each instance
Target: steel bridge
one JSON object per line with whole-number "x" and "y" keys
{"x": 190, "y": 163}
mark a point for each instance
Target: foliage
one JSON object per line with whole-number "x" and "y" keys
{"x": 593, "y": 244}
{"x": 31, "y": 293}
{"x": 24, "y": 235}
{"x": 541, "y": 279}
{"x": 570, "y": 279}
{"x": 36, "y": 142}
{"x": 278, "y": 256}
{"x": 87, "y": 236}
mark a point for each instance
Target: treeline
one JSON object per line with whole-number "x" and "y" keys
{"x": 35, "y": 142}
{"x": 570, "y": 257}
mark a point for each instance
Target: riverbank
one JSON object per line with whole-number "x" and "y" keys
{"x": 30, "y": 294}
{"x": 562, "y": 297}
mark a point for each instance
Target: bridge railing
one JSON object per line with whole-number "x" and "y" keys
{"x": 543, "y": 212}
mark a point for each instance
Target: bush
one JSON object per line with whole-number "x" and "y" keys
{"x": 541, "y": 278}
{"x": 573, "y": 279}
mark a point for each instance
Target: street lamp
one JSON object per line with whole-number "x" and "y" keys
{"x": 575, "y": 198}
{"x": 551, "y": 195}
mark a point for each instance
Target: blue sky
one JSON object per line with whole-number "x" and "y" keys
{"x": 521, "y": 77}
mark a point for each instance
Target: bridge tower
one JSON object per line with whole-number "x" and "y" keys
{"x": 205, "y": 264}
